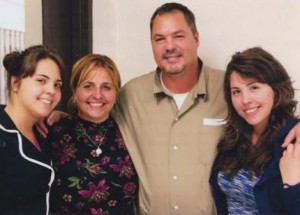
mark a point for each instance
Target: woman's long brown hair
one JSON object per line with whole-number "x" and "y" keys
{"x": 235, "y": 149}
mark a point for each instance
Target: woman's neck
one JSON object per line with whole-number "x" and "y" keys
{"x": 255, "y": 138}
{"x": 258, "y": 131}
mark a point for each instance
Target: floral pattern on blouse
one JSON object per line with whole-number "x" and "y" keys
{"x": 87, "y": 182}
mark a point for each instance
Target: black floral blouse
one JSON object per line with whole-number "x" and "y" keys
{"x": 88, "y": 182}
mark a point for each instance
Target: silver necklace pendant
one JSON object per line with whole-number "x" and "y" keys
{"x": 98, "y": 151}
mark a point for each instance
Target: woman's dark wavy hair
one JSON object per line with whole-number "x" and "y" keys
{"x": 22, "y": 64}
{"x": 235, "y": 149}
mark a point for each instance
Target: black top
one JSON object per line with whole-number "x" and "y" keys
{"x": 23, "y": 184}
{"x": 87, "y": 182}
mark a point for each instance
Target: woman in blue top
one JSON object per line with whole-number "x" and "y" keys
{"x": 246, "y": 177}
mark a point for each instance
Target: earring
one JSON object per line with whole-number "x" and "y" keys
{"x": 74, "y": 101}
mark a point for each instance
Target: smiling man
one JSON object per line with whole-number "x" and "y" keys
{"x": 170, "y": 119}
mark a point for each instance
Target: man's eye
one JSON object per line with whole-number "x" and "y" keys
{"x": 158, "y": 39}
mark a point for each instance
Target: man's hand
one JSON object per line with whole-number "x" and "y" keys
{"x": 54, "y": 116}
{"x": 290, "y": 161}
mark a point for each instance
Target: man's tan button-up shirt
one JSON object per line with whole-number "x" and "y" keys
{"x": 173, "y": 150}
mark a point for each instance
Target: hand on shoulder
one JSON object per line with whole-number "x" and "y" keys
{"x": 54, "y": 117}
{"x": 290, "y": 161}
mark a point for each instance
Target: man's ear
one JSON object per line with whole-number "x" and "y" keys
{"x": 197, "y": 38}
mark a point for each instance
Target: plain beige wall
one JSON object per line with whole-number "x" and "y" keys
{"x": 121, "y": 31}
{"x": 33, "y": 22}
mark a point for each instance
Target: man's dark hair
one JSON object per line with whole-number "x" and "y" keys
{"x": 171, "y": 7}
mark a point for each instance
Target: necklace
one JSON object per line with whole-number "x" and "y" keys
{"x": 98, "y": 149}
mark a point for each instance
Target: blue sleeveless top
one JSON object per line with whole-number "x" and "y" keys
{"x": 239, "y": 192}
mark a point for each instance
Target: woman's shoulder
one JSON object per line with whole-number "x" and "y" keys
{"x": 281, "y": 136}
{"x": 285, "y": 130}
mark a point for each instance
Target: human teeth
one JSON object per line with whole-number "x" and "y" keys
{"x": 251, "y": 110}
{"x": 45, "y": 101}
{"x": 96, "y": 104}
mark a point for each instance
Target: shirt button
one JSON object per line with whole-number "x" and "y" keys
{"x": 175, "y": 177}
{"x": 176, "y": 119}
{"x": 175, "y": 147}
{"x": 175, "y": 207}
